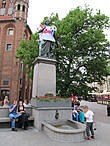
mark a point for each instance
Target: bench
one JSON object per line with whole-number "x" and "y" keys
{"x": 5, "y": 121}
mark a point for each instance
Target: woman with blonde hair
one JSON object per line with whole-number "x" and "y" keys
{"x": 6, "y": 102}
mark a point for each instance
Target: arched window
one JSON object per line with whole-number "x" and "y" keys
{"x": 8, "y": 47}
{"x": 18, "y": 7}
{"x": 23, "y": 8}
{"x": 10, "y": 31}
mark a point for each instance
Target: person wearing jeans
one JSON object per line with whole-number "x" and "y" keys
{"x": 89, "y": 115}
{"x": 89, "y": 127}
{"x": 13, "y": 114}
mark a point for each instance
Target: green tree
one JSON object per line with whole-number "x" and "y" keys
{"x": 81, "y": 51}
{"x": 27, "y": 53}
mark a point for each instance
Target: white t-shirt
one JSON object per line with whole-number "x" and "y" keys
{"x": 89, "y": 114}
{"x": 48, "y": 32}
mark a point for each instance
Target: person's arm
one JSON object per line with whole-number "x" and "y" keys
{"x": 85, "y": 116}
{"x": 77, "y": 117}
{"x": 7, "y": 101}
{"x": 19, "y": 112}
{"x": 41, "y": 30}
{"x": 10, "y": 110}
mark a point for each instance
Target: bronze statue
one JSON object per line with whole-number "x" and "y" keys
{"x": 47, "y": 40}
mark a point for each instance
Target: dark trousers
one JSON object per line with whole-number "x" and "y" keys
{"x": 23, "y": 121}
{"x": 89, "y": 128}
{"x": 72, "y": 104}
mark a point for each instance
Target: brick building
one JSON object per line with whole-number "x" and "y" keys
{"x": 13, "y": 29}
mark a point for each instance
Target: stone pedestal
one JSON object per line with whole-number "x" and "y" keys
{"x": 44, "y": 79}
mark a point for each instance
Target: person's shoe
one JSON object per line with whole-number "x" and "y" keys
{"x": 93, "y": 137}
{"x": 14, "y": 129}
{"x": 88, "y": 138}
{"x": 25, "y": 128}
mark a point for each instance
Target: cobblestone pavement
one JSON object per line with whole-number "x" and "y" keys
{"x": 32, "y": 137}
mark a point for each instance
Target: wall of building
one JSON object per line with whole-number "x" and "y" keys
{"x": 13, "y": 80}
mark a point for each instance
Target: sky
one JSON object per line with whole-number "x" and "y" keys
{"x": 38, "y": 9}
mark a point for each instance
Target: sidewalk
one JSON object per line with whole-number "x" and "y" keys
{"x": 32, "y": 137}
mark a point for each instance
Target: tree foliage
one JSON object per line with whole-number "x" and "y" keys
{"x": 27, "y": 54}
{"x": 81, "y": 51}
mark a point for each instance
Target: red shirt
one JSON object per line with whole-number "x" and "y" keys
{"x": 73, "y": 98}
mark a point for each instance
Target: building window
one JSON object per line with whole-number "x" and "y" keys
{"x": 10, "y": 31}
{"x": 9, "y": 47}
{"x": 4, "y": 93}
{"x": 20, "y": 81}
{"x": 3, "y": 3}
{"x": 23, "y": 8}
{"x": 18, "y": 7}
{"x": 5, "y": 82}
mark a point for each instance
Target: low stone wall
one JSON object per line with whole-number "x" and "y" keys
{"x": 4, "y": 112}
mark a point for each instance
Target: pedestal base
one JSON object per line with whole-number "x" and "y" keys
{"x": 44, "y": 79}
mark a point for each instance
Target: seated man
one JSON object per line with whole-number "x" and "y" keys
{"x": 13, "y": 114}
